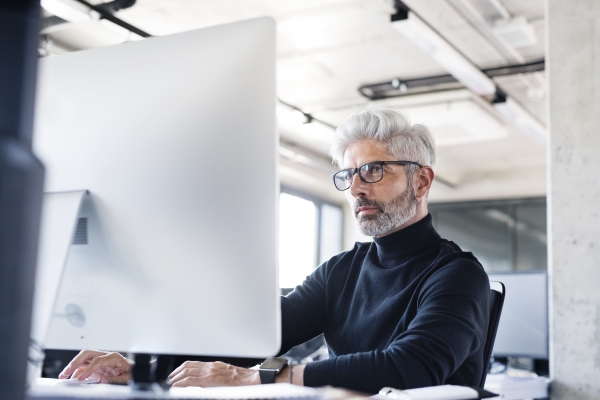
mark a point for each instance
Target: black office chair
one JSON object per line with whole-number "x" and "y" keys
{"x": 496, "y": 302}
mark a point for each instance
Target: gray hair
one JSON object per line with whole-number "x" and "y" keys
{"x": 392, "y": 129}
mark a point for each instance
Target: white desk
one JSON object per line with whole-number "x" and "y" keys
{"x": 46, "y": 388}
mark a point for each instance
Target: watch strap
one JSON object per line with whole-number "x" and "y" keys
{"x": 270, "y": 368}
{"x": 267, "y": 376}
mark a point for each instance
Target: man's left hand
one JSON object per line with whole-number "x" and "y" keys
{"x": 207, "y": 374}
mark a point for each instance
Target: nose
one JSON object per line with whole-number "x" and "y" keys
{"x": 358, "y": 187}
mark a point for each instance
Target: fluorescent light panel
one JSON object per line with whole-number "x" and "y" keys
{"x": 69, "y": 10}
{"x": 468, "y": 74}
{"x": 519, "y": 117}
{"x": 447, "y": 56}
{"x": 73, "y": 11}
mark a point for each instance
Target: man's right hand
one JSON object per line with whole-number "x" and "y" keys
{"x": 99, "y": 365}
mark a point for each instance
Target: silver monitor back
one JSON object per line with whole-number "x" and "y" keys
{"x": 175, "y": 139}
{"x": 523, "y": 328}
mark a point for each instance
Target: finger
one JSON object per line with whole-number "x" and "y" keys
{"x": 118, "y": 380}
{"x": 105, "y": 361}
{"x": 187, "y": 364}
{"x": 83, "y": 357}
{"x": 179, "y": 369}
{"x": 189, "y": 381}
{"x": 78, "y": 372}
{"x": 186, "y": 373}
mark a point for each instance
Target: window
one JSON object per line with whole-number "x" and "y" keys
{"x": 310, "y": 232}
{"x": 504, "y": 235}
{"x": 297, "y": 239}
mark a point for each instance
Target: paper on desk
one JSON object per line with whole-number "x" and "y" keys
{"x": 443, "y": 392}
{"x": 511, "y": 387}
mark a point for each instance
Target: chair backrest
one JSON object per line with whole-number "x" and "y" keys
{"x": 496, "y": 302}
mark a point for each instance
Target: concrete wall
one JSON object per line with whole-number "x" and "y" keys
{"x": 573, "y": 66}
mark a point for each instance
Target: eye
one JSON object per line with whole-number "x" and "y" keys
{"x": 374, "y": 168}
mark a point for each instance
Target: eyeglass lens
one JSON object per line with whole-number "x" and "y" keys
{"x": 343, "y": 179}
{"x": 371, "y": 173}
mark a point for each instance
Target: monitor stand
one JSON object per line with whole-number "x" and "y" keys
{"x": 144, "y": 374}
{"x": 58, "y": 222}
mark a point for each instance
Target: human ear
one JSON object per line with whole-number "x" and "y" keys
{"x": 422, "y": 181}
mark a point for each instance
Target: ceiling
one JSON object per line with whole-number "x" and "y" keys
{"x": 327, "y": 49}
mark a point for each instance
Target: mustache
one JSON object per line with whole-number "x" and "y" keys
{"x": 362, "y": 202}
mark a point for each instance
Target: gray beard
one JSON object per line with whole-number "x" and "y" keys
{"x": 391, "y": 215}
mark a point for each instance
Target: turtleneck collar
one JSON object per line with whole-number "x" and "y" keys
{"x": 411, "y": 239}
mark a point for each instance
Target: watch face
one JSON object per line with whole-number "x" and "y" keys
{"x": 273, "y": 363}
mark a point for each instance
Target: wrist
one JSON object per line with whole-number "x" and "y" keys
{"x": 254, "y": 377}
{"x": 297, "y": 376}
{"x": 283, "y": 376}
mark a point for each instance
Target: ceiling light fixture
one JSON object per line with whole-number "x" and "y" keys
{"x": 70, "y": 10}
{"x": 457, "y": 65}
{"x": 82, "y": 11}
{"x": 522, "y": 119}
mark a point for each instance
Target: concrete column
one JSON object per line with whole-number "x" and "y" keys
{"x": 573, "y": 67}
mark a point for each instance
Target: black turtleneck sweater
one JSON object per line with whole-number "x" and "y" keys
{"x": 408, "y": 310}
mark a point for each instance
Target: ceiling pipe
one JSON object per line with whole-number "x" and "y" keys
{"x": 116, "y": 5}
{"x": 402, "y": 87}
{"x": 81, "y": 11}
{"x": 309, "y": 117}
{"x": 105, "y": 14}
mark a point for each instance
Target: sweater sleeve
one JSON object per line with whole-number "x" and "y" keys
{"x": 303, "y": 310}
{"x": 451, "y": 323}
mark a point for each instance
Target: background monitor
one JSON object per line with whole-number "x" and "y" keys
{"x": 523, "y": 328}
{"x": 175, "y": 139}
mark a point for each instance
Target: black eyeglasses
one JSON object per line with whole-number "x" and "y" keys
{"x": 368, "y": 173}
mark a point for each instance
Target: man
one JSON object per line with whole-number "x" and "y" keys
{"x": 408, "y": 310}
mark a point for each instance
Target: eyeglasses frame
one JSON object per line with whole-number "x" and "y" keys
{"x": 357, "y": 171}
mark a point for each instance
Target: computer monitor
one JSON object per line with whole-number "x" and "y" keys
{"x": 523, "y": 328}
{"x": 174, "y": 138}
